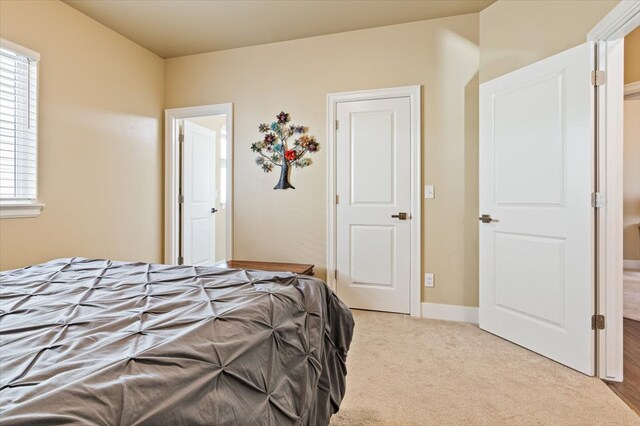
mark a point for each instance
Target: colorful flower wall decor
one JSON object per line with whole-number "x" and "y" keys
{"x": 274, "y": 148}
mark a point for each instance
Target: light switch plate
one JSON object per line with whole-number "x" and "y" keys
{"x": 429, "y": 191}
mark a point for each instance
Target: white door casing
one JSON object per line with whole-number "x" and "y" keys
{"x": 609, "y": 35}
{"x": 536, "y": 179}
{"x": 373, "y": 181}
{"x": 172, "y": 176}
{"x": 199, "y": 191}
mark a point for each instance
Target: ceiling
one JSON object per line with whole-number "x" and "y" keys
{"x": 173, "y": 28}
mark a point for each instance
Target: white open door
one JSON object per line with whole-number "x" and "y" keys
{"x": 373, "y": 214}
{"x": 199, "y": 191}
{"x": 536, "y": 181}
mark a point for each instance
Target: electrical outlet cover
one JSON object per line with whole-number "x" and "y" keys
{"x": 428, "y": 280}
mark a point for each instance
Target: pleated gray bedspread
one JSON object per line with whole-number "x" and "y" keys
{"x": 99, "y": 342}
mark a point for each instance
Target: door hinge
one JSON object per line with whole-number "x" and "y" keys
{"x": 180, "y": 260}
{"x": 597, "y": 200}
{"x": 181, "y": 137}
{"x": 180, "y": 199}
{"x": 337, "y": 124}
{"x": 337, "y": 199}
{"x": 597, "y": 78}
{"x": 335, "y": 275}
{"x": 597, "y": 322}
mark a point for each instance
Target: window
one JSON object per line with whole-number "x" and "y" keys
{"x": 18, "y": 131}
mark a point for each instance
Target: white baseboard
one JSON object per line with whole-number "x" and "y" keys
{"x": 450, "y": 312}
{"x": 632, "y": 264}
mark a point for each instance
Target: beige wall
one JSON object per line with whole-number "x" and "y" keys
{"x": 631, "y": 166}
{"x": 215, "y": 123}
{"x": 632, "y": 57}
{"x": 631, "y": 249}
{"x": 295, "y": 76}
{"x": 100, "y": 151}
{"x": 514, "y": 34}
{"x": 100, "y": 126}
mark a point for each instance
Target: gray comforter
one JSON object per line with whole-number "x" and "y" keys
{"x": 86, "y": 341}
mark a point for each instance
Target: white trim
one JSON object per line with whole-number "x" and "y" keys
{"x": 172, "y": 169}
{"x": 412, "y": 92}
{"x": 608, "y": 36}
{"x": 33, "y": 55}
{"x": 632, "y": 90}
{"x": 609, "y": 218}
{"x": 631, "y": 264}
{"x": 12, "y": 210}
{"x": 457, "y": 313}
{"x": 622, "y": 19}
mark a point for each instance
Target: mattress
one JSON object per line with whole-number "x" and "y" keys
{"x": 91, "y": 341}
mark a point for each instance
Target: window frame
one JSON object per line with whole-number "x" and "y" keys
{"x": 21, "y": 208}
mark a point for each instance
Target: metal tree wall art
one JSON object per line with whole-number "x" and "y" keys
{"x": 274, "y": 148}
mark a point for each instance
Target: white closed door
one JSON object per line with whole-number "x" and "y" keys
{"x": 199, "y": 192}
{"x": 536, "y": 183}
{"x": 374, "y": 185}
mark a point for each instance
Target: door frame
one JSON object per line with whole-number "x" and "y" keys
{"x": 608, "y": 37}
{"x": 172, "y": 175}
{"x": 414, "y": 95}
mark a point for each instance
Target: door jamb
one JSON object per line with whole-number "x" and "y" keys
{"x": 172, "y": 170}
{"x": 413, "y": 93}
{"x": 608, "y": 35}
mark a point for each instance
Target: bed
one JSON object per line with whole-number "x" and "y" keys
{"x": 93, "y": 341}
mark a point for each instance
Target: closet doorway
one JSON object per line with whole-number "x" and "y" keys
{"x": 198, "y": 211}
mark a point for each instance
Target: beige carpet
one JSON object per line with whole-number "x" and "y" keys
{"x": 405, "y": 371}
{"x": 632, "y": 294}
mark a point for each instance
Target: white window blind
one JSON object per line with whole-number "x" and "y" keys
{"x": 18, "y": 122}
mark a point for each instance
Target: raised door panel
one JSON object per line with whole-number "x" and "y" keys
{"x": 202, "y": 190}
{"x": 529, "y": 143}
{"x": 200, "y": 240}
{"x": 372, "y": 145}
{"x": 372, "y": 255}
{"x": 529, "y": 277}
